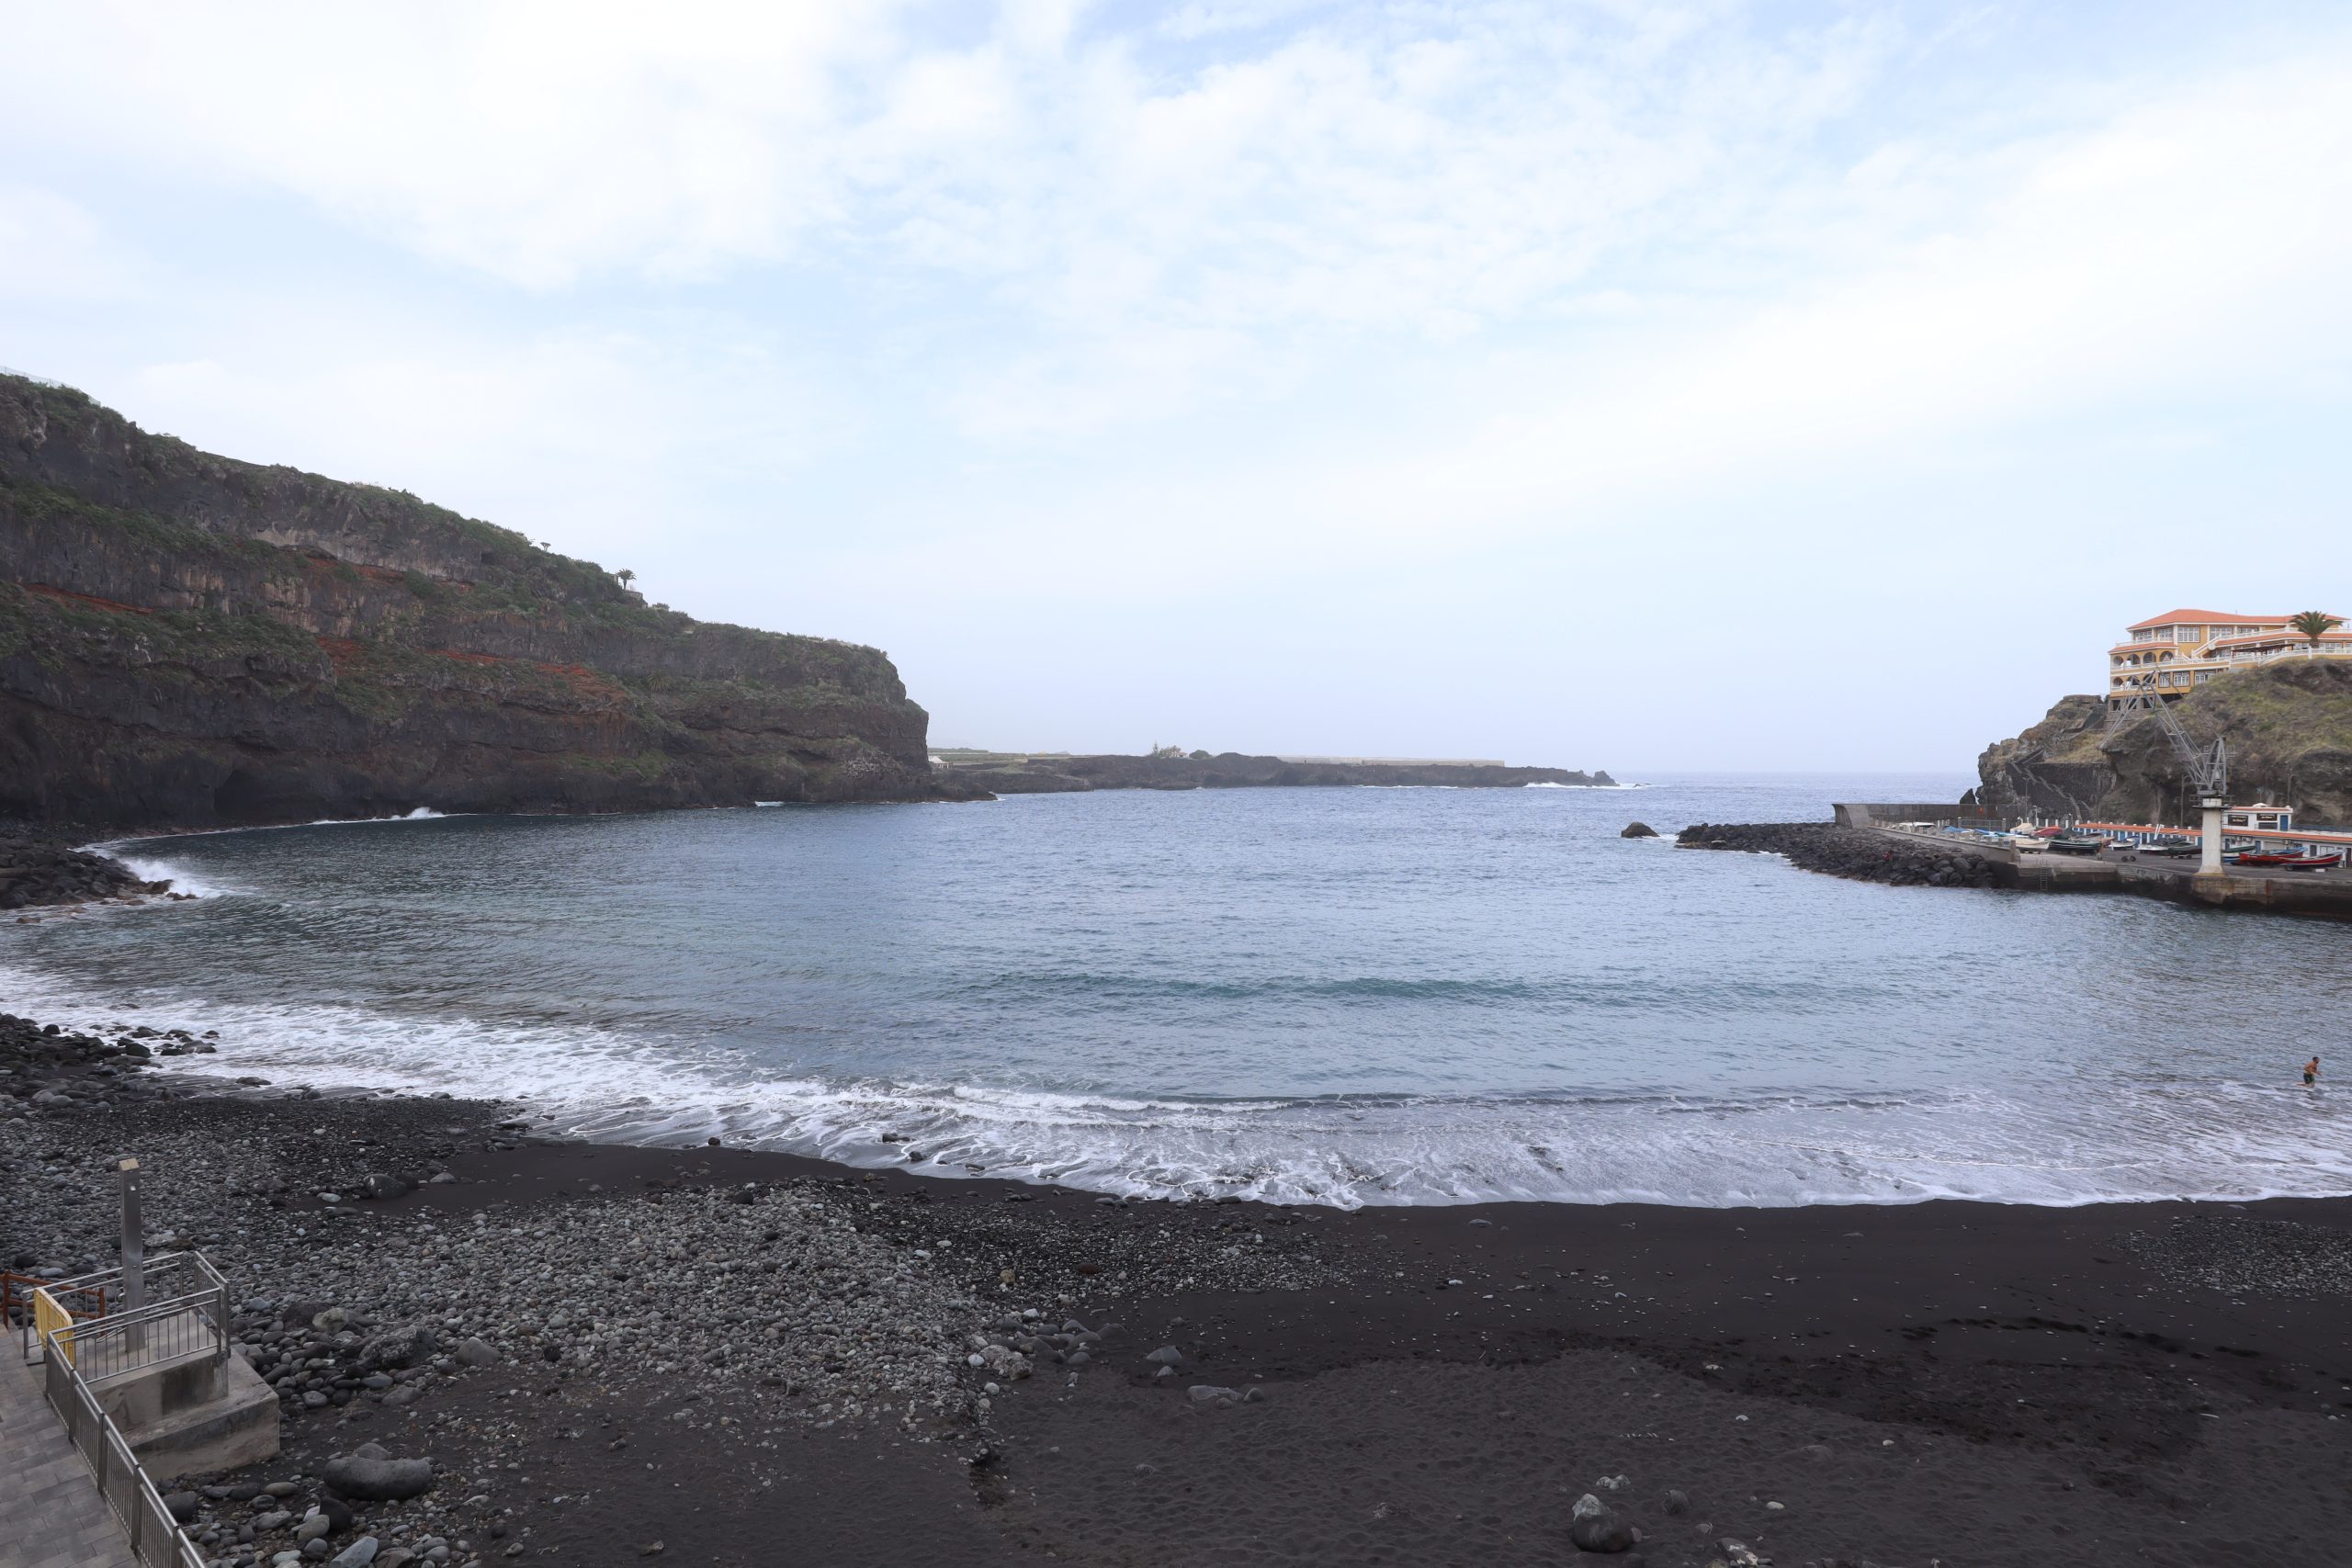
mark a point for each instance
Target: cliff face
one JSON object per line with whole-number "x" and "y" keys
{"x": 2054, "y": 767}
{"x": 188, "y": 641}
{"x": 2287, "y": 725}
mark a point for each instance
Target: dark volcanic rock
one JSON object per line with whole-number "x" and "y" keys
{"x": 2287, "y": 723}
{"x": 1852, "y": 853}
{"x": 189, "y": 640}
{"x": 37, "y": 866}
{"x": 1638, "y": 830}
{"x": 378, "y": 1479}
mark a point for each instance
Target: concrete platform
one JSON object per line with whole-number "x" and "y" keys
{"x": 191, "y": 1418}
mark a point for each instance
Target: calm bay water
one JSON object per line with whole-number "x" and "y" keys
{"x": 1349, "y": 996}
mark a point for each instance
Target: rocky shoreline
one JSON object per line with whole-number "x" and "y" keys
{"x": 42, "y": 866}
{"x": 1854, "y": 853}
{"x": 600, "y": 1354}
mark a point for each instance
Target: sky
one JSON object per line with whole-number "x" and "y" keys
{"x": 1594, "y": 383}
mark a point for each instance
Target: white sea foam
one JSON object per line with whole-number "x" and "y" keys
{"x": 2130, "y": 1141}
{"x": 151, "y": 868}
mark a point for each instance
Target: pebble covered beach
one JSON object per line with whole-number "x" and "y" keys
{"x": 613, "y": 1354}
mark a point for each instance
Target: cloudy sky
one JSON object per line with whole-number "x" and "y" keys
{"x": 1642, "y": 385}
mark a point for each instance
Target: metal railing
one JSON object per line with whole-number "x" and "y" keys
{"x": 187, "y": 1315}
{"x": 24, "y": 1308}
{"x": 156, "y": 1539}
{"x": 82, "y": 1342}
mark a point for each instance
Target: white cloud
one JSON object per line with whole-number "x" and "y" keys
{"x": 2186, "y": 251}
{"x": 1367, "y": 169}
{"x": 916, "y": 322}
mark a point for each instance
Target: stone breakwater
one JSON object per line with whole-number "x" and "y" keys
{"x": 1851, "y": 852}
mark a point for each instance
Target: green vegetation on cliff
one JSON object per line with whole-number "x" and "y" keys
{"x": 2287, "y": 725}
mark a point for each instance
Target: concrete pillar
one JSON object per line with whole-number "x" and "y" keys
{"x": 134, "y": 1257}
{"x": 2209, "y": 862}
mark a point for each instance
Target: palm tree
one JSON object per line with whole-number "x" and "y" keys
{"x": 2313, "y": 625}
{"x": 625, "y": 576}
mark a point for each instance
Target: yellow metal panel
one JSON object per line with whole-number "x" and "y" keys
{"x": 48, "y": 1321}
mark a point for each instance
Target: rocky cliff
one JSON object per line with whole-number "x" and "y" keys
{"x": 2287, "y": 725}
{"x": 188, "y": 641}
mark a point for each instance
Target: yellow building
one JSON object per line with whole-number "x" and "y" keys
{"x": 2164, "y": 655}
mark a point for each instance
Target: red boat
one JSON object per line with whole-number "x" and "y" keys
{"x": 2268, "y": 857}
{"x": 2314, "y": 863}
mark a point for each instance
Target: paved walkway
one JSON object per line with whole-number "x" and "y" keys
{"x": 51, "y": 1513}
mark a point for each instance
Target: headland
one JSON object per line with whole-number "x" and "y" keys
{"x": 1023, "y": 773}
{"x": 2256, "y": 710}
{"x": 188, "y": 641}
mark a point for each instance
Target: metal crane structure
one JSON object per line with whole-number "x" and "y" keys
{"x": 2206, "y": 767}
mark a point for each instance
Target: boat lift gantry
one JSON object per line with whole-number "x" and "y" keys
{"x": 2206, "y": 767}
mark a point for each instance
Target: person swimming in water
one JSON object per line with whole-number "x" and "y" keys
{"x": 2310, "y": 1072}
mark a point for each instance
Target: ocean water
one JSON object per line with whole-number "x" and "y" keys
{"x": 1343, "y": 996}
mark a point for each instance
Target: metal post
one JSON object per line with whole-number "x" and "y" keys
{"x": 134, "y": 1255}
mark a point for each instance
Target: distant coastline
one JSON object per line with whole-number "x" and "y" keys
{"x": 1020, "y": 774}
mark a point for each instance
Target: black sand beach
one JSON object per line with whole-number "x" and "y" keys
{"x": 680, "y": 1358}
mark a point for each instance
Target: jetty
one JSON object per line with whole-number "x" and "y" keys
{"x": 2123, "y": 866}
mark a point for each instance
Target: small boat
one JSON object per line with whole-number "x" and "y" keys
{"x": 2314, "y": 863}
{"x": 2169, "y": 847}
{"x": 2076, "y": 844}
{"x": 2024, "y": 841}
{"x": 2261, "y": 857}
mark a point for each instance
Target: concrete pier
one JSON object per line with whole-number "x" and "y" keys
{"x": 2328, "y": 894}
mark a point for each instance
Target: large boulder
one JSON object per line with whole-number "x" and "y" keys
{"x": 402, "y": 1346}
{"x": 378, "y": 1479}
{"x": 1594, "y": 1528}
